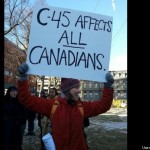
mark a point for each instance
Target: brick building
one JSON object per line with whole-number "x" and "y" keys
{"x": 13, "y": 56}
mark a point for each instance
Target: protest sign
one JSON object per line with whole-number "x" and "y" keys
{"x": 69, "y": 43}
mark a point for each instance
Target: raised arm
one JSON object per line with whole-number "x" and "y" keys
{"x": 37, "y": 104}
{"x": 93, "y": 108}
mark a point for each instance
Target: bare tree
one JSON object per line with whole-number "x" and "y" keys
{"x": 15, "y": 13}
{"x": 21, "y": 33}
{"x": 18, "y": 19}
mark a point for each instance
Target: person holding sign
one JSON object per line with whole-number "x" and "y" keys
{"x": 67, "y": 121}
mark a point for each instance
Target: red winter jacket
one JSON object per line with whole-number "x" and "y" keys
{"x": 67, "y": 122}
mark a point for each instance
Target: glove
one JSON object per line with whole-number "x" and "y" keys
{"x": 110, "y": 81}
{"x": 22, "y": 69}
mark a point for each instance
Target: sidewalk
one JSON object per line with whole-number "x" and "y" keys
{"x": 116, "y": 111}
{"x": 32, "y": 142}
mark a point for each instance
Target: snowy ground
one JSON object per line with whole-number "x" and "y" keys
{"x": 112, "y": 120}
{"x": 112, "y": 125}
{"x": 108, "y": 131}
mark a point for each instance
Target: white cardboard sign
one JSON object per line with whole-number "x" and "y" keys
{"x": 69, "y": 43}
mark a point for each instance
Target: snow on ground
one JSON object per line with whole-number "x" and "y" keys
{"x": 110, "y": 125}
{"x": 115, "y": 125}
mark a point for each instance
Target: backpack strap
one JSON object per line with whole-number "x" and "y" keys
{"x": 80, "y": 107}
{"x": 55, "y": 105}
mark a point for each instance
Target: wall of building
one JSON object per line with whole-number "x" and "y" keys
{"x": 13, "y": 57}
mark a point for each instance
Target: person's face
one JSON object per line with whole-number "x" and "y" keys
{"x": 52, "y": 93}
{"x": 13, "y": 94}
{"x": 75, "y": 92}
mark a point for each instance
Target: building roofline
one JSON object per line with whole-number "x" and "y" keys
{"x": 120, "y": 78}
{"x": 6, "y": 39}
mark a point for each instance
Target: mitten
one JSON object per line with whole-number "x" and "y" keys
{"x": 109, "y": 81}
{"x": 22, "y": 69}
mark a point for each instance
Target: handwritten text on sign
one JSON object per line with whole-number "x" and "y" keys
{"x": 69, "y": 43}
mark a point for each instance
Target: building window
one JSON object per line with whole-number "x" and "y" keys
{"x": 119, "y": 74}
{"x": 90, "y": 95}
{"x": 118, "y": 94}
{"x": 85, "y": 95}
{"x": 125, "y": 95}
{"x": 114, "y": 74}
{"x": 84, "y": 84}
{"x": 90, "y": 85}
{"x": 96, "y": 85}
{"x": 46, "y": 85}
{"x": 96, "y": 95}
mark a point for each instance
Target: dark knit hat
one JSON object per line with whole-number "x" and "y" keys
{"x": 11, "y": 88}
{"x": 69, "y": 83}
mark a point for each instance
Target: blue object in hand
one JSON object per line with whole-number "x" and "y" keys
{"x": 22, "y": 69}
